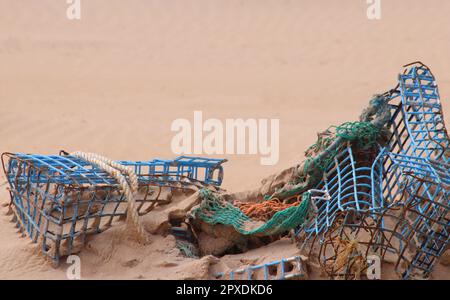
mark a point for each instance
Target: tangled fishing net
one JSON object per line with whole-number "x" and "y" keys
{"x": 263, "y": 211}
{"x": 215, "y": 210}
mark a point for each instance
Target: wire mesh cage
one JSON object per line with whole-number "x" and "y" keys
{"x": 58, "y": 200}
{"x": 282, "y": 269}
{"x": 392, "y": 201}
{"x": 399, "y": 234}
{"x": 422, "y": 131}
{"x": 421, "y": 191}
{"x": 347, "y": 184}
{"x": 416, "y": 172}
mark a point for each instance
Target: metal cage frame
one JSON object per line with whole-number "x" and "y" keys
{"x": 58, "y": 200}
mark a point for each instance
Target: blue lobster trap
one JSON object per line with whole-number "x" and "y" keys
{"x": 283, "y": 269}
{"x": 347, "y": 185}
{"x": 58, "y": 200}
{"x": 194, "y": 169}
{"x": 399, "y": 194}
{"x": 422, "y": 193}
{"x": 417, "y": 174}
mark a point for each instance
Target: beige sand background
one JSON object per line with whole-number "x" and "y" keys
{"x": 114, "y": 81}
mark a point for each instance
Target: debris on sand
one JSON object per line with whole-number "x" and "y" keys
{"x": 376, "y": 188}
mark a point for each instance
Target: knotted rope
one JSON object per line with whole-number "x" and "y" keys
{"x": 117, "y": 171}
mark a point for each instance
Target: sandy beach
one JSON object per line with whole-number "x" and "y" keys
{"x": 114, "y": 81}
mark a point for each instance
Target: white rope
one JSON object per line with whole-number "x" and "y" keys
{"x": 117, "y": 170}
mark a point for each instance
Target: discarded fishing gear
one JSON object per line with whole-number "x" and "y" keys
{"x": 403, "y": 189}
{"x": 59, "y": 199}
{"x": 377, "y": 186}
{"x": 394, "y": 159}
{"x": 265, "y": 210}
{"x": 284, "y": 269}
{"x": 392, "y": 235}
{"x": 185, "y": 241}
{"x": 214, "y": 210}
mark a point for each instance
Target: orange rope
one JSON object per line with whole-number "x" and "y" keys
{"x": 263, "y": 211}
